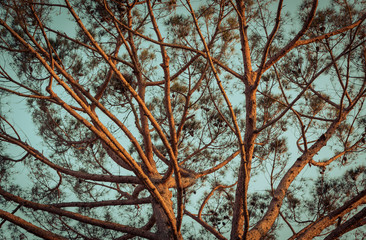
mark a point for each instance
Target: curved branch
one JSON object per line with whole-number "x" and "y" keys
{"x": 171, "y": 45}
{"x": 269, "y": 42}
{"x": 205, "y": 225}
{"x": 210, "y": 195}
{"x": 292, "y": 43}
{"x": 218, "y": 166}
{"x": 39, "y": 232}
{"x": 330, "y": 34}
{"x": 87, "y": 46}
{"x": 147, "y": 226}
{"x": 78, "y": 174}
{"x": 326, "y": 163}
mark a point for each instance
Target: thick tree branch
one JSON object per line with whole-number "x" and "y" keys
{"x": 318, "y": 226}
{"x": 263, "y": 226}
{"x": 77, "y": 216}
{"x": 39, "y": 232}
{"x": 356, "y": 221}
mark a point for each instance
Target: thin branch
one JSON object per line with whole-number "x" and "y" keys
{"x": 103, "y": 203}
{"x": 315, "y": 77}
{"x": 335, "y": 157}
{"x": 205, "y": 225}
{"x": 78, "y": 174}
{"x": 210, "y": 195}
{"x": 147, "y": 226}
{"x": 292, "y": 43}
{"x": 269, "y": 42}
{"x": 219, "y": 166}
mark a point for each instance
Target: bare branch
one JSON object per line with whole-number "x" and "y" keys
{"x": 29, "y": 226}
{"x": 318, "y": 226}
{"x": 76, "y": 216}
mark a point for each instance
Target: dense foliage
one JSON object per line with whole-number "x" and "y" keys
{"x": 167, "y": 119}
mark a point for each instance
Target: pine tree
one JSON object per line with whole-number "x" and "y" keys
{"x": 165, "y": 119}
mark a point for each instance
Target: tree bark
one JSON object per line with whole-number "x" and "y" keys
{"x": 165, "y": 231}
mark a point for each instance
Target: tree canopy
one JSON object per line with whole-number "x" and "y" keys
{"x": 166, "y": 119}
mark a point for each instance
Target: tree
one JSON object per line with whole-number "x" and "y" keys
{"x": 178, "y": 120}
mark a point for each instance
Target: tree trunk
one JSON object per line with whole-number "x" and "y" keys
{"x": 240, "y": 223}
{"x": 164, "y": 230}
